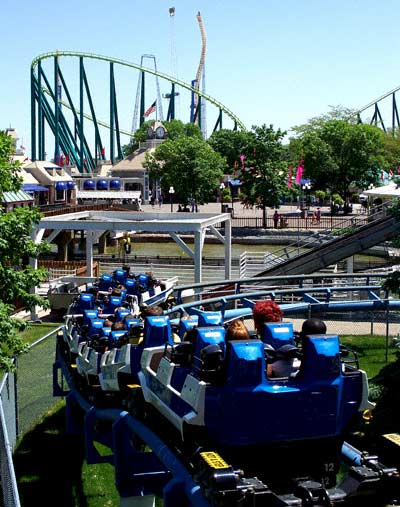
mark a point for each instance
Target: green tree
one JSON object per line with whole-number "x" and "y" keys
{"x": 338, "y": 154}
{"x": 230, "y": 144}
{"x": 16, "y": 246}
{"x": 174, "y": 128}
{"x": 392, "y": 150}
{"x": 264, "y": 171}
{"x": 188, "y": 164}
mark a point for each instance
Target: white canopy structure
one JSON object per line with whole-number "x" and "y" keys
{"x": 172, "y": 223}
{"x": 390, "y": 190}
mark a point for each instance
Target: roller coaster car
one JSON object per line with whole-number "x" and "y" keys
{"x": 300, "y": 421}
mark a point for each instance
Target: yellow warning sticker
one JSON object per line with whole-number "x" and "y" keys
{"x": 393, "y": 437}
{"x": 214, "y": 460}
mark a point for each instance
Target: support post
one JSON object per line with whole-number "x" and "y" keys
{"x": 81, "y": 150}
{"x": 33, "y": 117}
{"x": 40, "y": 113}
{"x": 142, "y": 106}
{"x": 112, "y": 156}
{"x": 228, "y": 249}
{"x": 56, "y": 114}
{"x": 197, "y": 256}
{"x": 89, "y": 253}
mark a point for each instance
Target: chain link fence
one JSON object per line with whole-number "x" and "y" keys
{"x": 25, "y": 396}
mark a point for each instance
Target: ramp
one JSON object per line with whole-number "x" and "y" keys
{"x": 337, "y": 249}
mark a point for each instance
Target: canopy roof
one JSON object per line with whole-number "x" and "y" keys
{"x": 390, "y": 190}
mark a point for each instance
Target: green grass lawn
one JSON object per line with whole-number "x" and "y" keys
{"x": 50, "y": 465}
{"x": 36, "y": 331}
{"x": 370, "y": 351}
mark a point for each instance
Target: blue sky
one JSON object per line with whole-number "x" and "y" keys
{"x": 268, "y": 61}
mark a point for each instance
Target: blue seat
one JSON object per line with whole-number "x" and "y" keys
{"x": 105, "y": 282}
{"x": 277, "y": 334}
{"x": 121, "y": 313}
{"x": 112, "y": 304}
{"x": 321, "y": 357}
{"x": 157, "y": 331}
{"x": 207, "y": 319}
{"x": 143, "y": 281}
{"x": 133, "y": 323}
{"x": 131, "y": 287}
{"x": 115, "y": 338}
{"x": 85, "y": 302}
{"x": 209, "y": 350}
{"x": 186, "y": 325}
{"x": 246, "y": 362}
{"x": 88, "y": 315}
{"x": 120, "y": 276}
{"x": 95, "y": 326}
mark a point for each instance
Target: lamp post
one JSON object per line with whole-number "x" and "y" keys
{"x": 298, "y": 212}
{"x": 171, "y": 192}
{"x": 221, "y": 189}
{"x": 306, "y": 188}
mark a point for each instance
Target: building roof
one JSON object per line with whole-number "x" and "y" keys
{"x": 390, "y": 190}
{"x": 47, "y": 173}
{"x": 27, "y": 178}
{"x": 131, "y": 163}
{"x": 18, "y": 196}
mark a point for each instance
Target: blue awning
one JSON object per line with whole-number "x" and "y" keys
{"x": 70, "y": 185}
{"x": 115, "y": 184}
{"x": 235, "y": 183}
{"x": 89, "y": 184}
{"x": 61, "y": 185}
{"x": 31, "y": 187}
{"x": 102, "y": 184}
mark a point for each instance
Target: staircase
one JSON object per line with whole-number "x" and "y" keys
{"x": 317, "y": 252}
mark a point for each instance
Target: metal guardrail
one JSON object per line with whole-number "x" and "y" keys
{"x": 250, "y": 262}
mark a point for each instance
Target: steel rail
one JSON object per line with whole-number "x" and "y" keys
{"x": 154, "y": 72}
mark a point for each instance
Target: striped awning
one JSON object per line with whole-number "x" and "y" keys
{"x": 19, "y": 196}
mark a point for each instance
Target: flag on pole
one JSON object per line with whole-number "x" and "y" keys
{"x": 151, "y": 109}
{"x": 289, "y": 180}
{"x": 299, "y": 173}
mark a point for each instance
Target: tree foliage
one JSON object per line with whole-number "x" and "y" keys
{"x": 338, "y": 154}
{"x": 188, "y": 164}
{"x": 264, "y": 170}
{"x": 175, "y": 129}
{"x": 230, "y": 144}
{"x": 16, "y": 276}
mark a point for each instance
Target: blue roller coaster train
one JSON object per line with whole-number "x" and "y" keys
{"x": 222, "y": 431}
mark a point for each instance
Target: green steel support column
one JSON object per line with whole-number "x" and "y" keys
{"x": 112, "y": 157}
{"x": 395, "y": 116}
{"x": 197, "y": 113}
{"x": 218, "y": 123}
{"x": 43, "y": 149}
{"x": 172, "y": 99}
{"x": 81, "y": 155}
{"x": 120, "y": 156}
{"x": 200, "y": 108}
{"x": 33, "y": 116}
{"x": 56, "y": 119}
{"x": 40, "y": 113}
{"x": 142, "y": 106}
{"x": 50, "y": 119}
{"x": 92, "y": 112}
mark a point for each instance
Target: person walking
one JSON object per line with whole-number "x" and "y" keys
{"x": 275, "y": 218}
